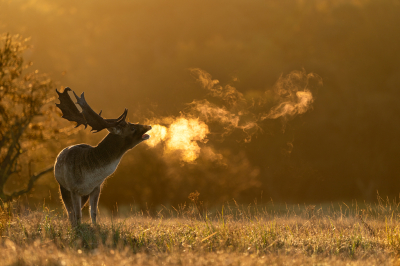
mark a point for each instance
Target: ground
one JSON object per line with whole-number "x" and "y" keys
{"x": 335, "y": 234}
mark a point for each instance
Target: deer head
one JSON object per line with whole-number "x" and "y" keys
{"x": 132, "y": 133}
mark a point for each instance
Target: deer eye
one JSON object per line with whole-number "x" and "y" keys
{"x": 133, "y": 129}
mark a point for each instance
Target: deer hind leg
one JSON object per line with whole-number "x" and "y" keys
{"x": 77, "y": 208}
{"x": 84, "y": 200}
{"x": 66, "y": 198}
{"x": 94, "y": 200}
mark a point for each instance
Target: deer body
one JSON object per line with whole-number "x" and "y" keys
{"x": 81, "y": 169}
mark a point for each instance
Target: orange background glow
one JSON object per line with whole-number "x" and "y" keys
{"x": 292, "y": 100}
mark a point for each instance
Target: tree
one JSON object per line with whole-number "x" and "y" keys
{"x": 25, "y": 113}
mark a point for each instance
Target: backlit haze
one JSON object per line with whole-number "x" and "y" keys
{"x": 294, "y": 101}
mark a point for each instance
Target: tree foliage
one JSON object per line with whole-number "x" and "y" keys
{"x": 25, "y": 115}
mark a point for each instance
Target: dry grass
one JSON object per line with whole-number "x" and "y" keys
{"x": 233, "y": 235}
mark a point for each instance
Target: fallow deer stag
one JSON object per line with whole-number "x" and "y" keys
{"x": 81, "y": 169}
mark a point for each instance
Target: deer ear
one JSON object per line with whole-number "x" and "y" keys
{"x": 115, "y": 130}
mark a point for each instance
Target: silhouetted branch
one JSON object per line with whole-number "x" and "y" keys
{"x": 32, "y": 180}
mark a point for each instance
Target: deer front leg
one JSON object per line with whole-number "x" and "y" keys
{"x": 94, "y": 200}
{"x": 77, "y": 208}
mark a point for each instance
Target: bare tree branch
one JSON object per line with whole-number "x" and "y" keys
{"x": 32, "y": 180}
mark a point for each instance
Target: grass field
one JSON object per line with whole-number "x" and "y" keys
{"x": 331, "y": 234}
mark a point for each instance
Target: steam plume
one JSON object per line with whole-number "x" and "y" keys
{"x": 291, "y": 96}
{"x": 183, "y": 135}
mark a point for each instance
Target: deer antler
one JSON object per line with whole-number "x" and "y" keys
{"x": 90, "y": 117}
{"x": 69, "y": 109}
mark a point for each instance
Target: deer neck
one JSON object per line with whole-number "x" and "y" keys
{"x": 101, "y": 161}
{"x": 110, "y": 149}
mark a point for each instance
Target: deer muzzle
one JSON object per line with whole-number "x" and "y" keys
{"x": 146, "y": 136}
